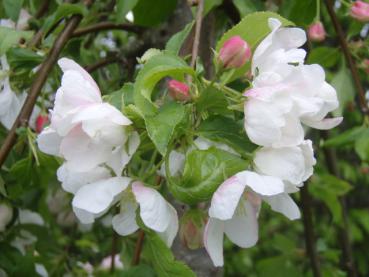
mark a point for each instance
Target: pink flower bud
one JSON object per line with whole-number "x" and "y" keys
{"x": 234, "y": 53}
{"x": 178, "y": 90}
{"x": 360, "y": 11}
{"x": 191, "y": 228}
{"x": 42, "y": 121}
{"x": 316, "y": 32}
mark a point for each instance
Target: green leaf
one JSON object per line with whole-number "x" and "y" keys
{"x": 14, "y": 263}
{"x": 161, "y": 126}
{"x": 62, "y": 11}
{"x": 204, "y": 171}
{"x": 344, "y": 86}
{"x": 2, "y": 187}
{"x": 226, "y": 130}
{"x": 123, "y": 7}
{"x": 139, "y": 270}
{"x": 252, "y": 28}
{"x": 175, "y": 43}
{"x": 347, "y": 138}
{"x": 325, "y": 56}
{"x": 23, "y": 59}
{"x": 162, "y": 258}
{"x": 12, "y": 8}
{"x": 154, "y": 70}
{"x": 10, "y": 37}
{"x": 277, "y": 266}
{"x": 213, "y": 101}
{"x": 247, "y": 7}
{"x": 328, "y": 189}
{"x": 362, "y": 146}
{"x": 149, "y": 13}
{"x": 299, "y": 12}
{"x": 210, "y": 4}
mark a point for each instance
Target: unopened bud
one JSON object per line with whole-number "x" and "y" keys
{"x": 191, "y": 228}
{"x": 179, "y": 91}
{"x": 316, "y": 32}
{"x": 234, "y": 53}
{"x": 360, "y": 11}
{"x": 42, "y": 121}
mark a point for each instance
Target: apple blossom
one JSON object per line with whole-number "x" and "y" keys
{"x": 234, "y": 53}
{"x": 155, "y": 212}
{"x": 316, "y": 32}
{"x": 360, "y": 11}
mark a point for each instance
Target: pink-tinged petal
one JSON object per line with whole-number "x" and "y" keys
{"x": 49, "y": 142}
{"x": 95, "y": 199}
{"x": 213, "y": 240}
{"x": 154, "y": 209}
{"x": 325, "y": 124}
{"x": 225, "y": 199}
{"x": 261, "y": 184}
{"x": 283, "y": 204}
{"x": 70, "y": 65}
{"x": 170, "y": 233}
{"x": 243, "y": 228}
{"x": 125, "y": 223}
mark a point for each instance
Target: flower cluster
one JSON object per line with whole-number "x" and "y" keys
{"x": 96, "y": 142}
{"x": 285, "y": 94}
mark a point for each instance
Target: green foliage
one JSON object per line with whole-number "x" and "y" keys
{"x": 174, "y": 44}
{"x": 12, "y": 8}
{"x": 149, "y": 13}
{"x": 161, "y": 126}
{"x": 162, "y": 258}
{"x": 300, "y": 12}
{"x": 10, "y": 37}
{"x": 252, "y": 28}
{"x": 204, "y": 171}
{"x": 123, "y": 7}
{"x": 325, "y": 56}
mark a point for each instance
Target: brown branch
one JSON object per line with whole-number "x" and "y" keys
{"x": 43, "y": 9}
{"x": 138, "y": 249}
{"x": 331, "y": 161}
{"x": 350, "y": 61}
{"x": 310, "y": 240}
{"x": 196, "y": 41}
{"x": 40, "y": 79}
{"x": 104, "y": 62}
{"x": 104, "y": 26}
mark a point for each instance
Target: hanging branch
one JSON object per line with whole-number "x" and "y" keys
{"x": 103, "y": 26}
{"x": 104, "y": 62}
{"x": 196, "y": 41}
{"x": 38, "y": 83}
{"x": 310, "y": 240}
{"x": 350, "y": 61}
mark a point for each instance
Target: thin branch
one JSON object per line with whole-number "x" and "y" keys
{"x": 104, "y": 62}
{"x": 138, "y": 249}
{"x": 310, "y": 240}
{"x": 350, "y": 61}
{"x": 39, "y": 81}
{"x": 196, "y": 41}
{"x": 43, "y": 8}
{"x": 331, "y": 161}
{"x": 104, "y": 26}
{"x": 113, "y": 251}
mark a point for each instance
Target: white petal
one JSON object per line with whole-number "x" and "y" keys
{"x": 176, "y": 164}
{"x": 49, "y": 141}
{"x": 72, "y": 181}
{"x": 242, "y": 229}
{"x": 284, "y": 204}
{"x": 70, "y": 65}
{"x": 225, "y": 199}
{"x": 261, "y": 184}
{"x": 94, "y": 199}
{"x": 125, "y": 223}
{"x": 170, "y": 233}
{"x": 213, "y": 240}
{"x": 154, "y": 209}
{"x": 30, "y": 217}
{"x": 325, "y": 124}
